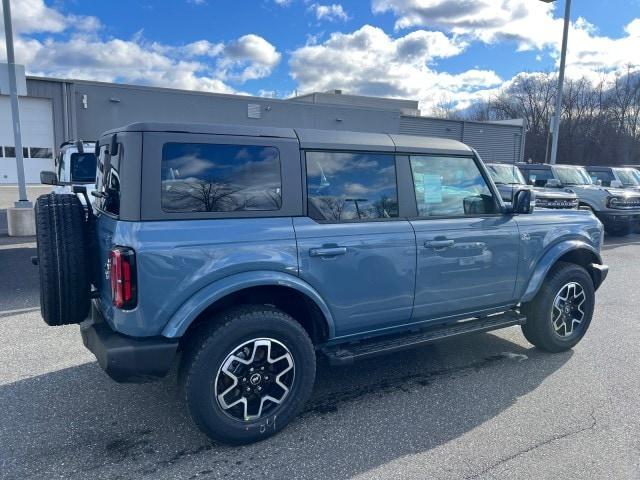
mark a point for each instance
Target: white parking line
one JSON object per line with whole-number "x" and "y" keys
{"x": 4, "y": 313}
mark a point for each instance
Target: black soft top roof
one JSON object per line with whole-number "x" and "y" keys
{"x": 313, "y": 138}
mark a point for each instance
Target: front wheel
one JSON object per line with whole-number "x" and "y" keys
{"x": 559, "y": 315}
{"x": 249, "y": 374}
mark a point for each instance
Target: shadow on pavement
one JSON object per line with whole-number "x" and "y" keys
{"x": 77, "y": 423}
{"x": 19, "y": 283}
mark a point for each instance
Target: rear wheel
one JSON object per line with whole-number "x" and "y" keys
{"x": 61, "y": 231}
{"x": 248, "y": 375}
{"x": 559, "y": 315}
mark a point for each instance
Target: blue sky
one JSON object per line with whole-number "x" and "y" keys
{"x": 429, "y": 50}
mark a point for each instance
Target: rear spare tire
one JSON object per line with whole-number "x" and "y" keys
{"x": 61, "y": 232}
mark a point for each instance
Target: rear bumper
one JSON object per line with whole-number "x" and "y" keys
{"x": 127, "y": 359}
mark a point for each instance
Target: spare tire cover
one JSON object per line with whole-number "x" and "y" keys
{"x": 61, "y": 231}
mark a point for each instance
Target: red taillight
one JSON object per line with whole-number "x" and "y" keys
{"x": 123, "y": 277}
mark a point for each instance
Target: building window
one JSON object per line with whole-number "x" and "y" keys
{"x": 203, "y": 177}
{"x": 11, "y": 152}
{"x": 41, "y": 152}
{"x": 351, "y": 186}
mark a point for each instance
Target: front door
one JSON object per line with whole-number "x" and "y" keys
{"x": 467, "y": 251}
{"x": 353, "y": 247}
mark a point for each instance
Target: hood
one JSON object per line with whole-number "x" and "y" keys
{"x": 554, "y": 193}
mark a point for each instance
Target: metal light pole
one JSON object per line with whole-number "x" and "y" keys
{"x": 563, "y": 60}
{"x": 22, "y": 202}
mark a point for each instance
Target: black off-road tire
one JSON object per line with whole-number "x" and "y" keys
{"x": 205, "y": 355}
{"x": 539, "y": 329}
{"x": 61, "y": 233}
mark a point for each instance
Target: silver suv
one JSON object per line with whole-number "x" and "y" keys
{"x": 618, "y": 209}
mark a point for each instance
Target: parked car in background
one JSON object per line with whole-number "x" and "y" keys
{"x": 75, "y": 164}
{"x": 621, "y": 177}
{"x": 618, "y": 209}
{"x": 509, "y": 179}
{"x": 242, "y": 252}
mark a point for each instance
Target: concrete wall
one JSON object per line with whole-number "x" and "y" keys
{"x": 83, "y": 109}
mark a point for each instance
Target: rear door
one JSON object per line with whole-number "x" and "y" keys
{"x": 467, "y": 251}
{"x": 353, "y": 247}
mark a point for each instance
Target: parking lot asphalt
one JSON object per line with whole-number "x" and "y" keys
{"x": 488, "y": 406}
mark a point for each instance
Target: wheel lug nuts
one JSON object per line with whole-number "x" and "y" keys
{"x": 261, "y": 368}
{"x": 259, "y": 389}
{"x": 248, "y": 389}
{"x": 251, "y": 369}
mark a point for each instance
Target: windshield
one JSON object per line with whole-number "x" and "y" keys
{"x": 506, "y": 174}
{"x": 573, "y": 176}
{"x": 83, "y": 167}
{"x": 628, "y": 176}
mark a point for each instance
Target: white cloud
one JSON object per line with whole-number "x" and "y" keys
{"x": 331, "y": 12}
{"x": 33, "y": 16}
{"x": 370, "y": 62}
{"x": 528, "y": 22}
{"x": 252, "y": 55}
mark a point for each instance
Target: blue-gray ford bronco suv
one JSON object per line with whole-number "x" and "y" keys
{"x": 238, "y": 254}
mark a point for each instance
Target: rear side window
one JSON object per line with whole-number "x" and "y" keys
{"x": 108, "y": 180}
{"x": 351, "y": 186}
{"x": 202, "y": 177}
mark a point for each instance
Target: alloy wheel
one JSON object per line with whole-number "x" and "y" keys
{"x": 568, "y": 309}
{"x": 254, "y": 379}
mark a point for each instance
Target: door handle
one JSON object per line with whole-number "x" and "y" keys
{"x": 438, "y": 244}
{"x": 327, "y": 251}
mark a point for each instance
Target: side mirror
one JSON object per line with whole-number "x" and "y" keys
{"x": 554, "y": 183}
{"x": 48, "y": 178}
{"x": 616, "y": 184}
{"x": 522, "y": 202}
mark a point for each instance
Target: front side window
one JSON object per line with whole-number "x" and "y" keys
{"x": 83, "y": 167}
{"x": 605, "y": 177}
{"x": 506, "y": 174}
{"x": 450, "y": 187}
{"x": 345, "y": 186}
{"x": 203, "y": 177}
{"x": 539, "y": 177}
{"x": 628, "y": 176}
{"x": 573, "y": 176}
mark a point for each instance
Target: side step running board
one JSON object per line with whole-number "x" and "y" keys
{"x": 344, "y": 354}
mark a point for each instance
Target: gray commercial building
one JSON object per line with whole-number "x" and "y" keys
{"x": 59, "y": 110}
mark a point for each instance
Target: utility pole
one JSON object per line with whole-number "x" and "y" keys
{"x": 555, "y": 125}
{"x": 22, "y": 202}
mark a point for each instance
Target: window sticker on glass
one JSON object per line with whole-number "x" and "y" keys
{"x": 432, "y": 185}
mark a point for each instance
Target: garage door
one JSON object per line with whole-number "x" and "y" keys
{"x": 36, "y": 118}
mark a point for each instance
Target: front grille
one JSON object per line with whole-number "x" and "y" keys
{"x": 556, "y": 203}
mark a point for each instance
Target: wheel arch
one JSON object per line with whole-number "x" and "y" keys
{"x": 573, "y": 251}
{"x": 285, "y": 291}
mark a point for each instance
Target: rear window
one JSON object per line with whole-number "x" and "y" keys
{"x": 202, "y": 177}
{"x": 83, "y": 167}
